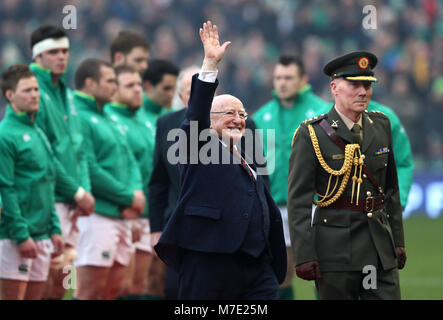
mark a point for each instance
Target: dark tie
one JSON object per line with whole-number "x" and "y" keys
{"x": 243, "y": 163}
{"x": 356, "y": 133}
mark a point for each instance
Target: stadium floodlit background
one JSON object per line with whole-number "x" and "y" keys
{"x": 408, "y": 40}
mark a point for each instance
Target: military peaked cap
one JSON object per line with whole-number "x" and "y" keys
{"x": 354, "y": 66}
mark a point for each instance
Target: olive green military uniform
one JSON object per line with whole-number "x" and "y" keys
{"x": 354, "y": 244}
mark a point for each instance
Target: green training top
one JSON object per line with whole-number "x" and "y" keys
{"x": 27, "y": 180}
{"x": 140, "y": 139}
{"x": 113, "y": 169}
{"x": 59, "y": 120}
{"x": 285, "y": 121}
{"x": 402, "y": 151}
{"x": 148, "y": 115}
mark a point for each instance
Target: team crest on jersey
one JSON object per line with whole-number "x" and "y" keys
{"x": 123, "y": 129}
{"x": 267, "y": 116}
{"x": 26, "y": 137}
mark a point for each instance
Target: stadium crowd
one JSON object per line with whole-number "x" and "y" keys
{"x": 408, "y": 40}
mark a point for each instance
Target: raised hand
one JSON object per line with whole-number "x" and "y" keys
{"x": 213, "y": 50}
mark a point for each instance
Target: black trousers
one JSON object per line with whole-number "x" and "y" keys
{"x": 215, "y": 276}
{"x": 171, "y": 284}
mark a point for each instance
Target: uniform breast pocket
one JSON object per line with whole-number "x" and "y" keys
{"x": 333, "y": 236}
{"x": 379, "y": 161}
{"x": 378, "y": 165}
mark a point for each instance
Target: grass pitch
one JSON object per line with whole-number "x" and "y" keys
{"x": 422, "y": 277}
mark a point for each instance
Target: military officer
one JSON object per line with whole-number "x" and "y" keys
{"x": 343, "y": 162}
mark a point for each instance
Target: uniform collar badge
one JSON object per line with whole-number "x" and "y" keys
{"x": 334, "y": 123}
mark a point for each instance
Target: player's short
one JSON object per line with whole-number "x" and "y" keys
{"x": 144, "y": 244}
{"x": 15, "y": 267}
{"x": 69, "y": 232}
{"x": 102, "y": 241}
{"x": 284, "y": 217}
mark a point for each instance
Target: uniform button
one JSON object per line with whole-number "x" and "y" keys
{"x": 325, "y": 220}
{"x": 369, "y": 215}
{"x": 387, "y": 215}
{"x": 364, "y": 176}
{"x": 386, "y": 164}
{"x": 245, "y": 215}
{"x": 368, "y": 193}
{"x": 251, "y": 192}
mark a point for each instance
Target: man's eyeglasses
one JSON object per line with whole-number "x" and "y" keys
{"x": 231, "y": 114}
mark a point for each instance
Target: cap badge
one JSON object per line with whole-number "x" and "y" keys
{"x": 363, "y": 63}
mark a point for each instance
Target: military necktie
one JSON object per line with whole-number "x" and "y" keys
{"x": 356, "y": 133}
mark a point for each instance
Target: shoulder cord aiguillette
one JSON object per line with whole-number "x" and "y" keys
{"x": 353, "y": 157}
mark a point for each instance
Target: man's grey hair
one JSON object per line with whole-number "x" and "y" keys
{"x": 176, "y": 101}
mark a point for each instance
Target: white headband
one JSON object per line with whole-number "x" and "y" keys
{"x": 49, "y": 44}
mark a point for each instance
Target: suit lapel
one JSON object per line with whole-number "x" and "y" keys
{"x": 337, "y": 123}
{"x": 368, "y": 132}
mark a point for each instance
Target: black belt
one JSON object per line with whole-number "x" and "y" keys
{"x": 368, "y": 204}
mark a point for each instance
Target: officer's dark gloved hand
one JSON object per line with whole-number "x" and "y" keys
{"x": 401, "y": 257}
{"x": 308, "y": 271}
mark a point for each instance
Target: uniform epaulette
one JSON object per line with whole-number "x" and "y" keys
{"x": 314, "y": 119}
{"x": 308, "y": 121}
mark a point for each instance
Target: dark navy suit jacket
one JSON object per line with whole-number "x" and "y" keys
{"x": 164, "y": 186}
{"x": 215, "y": 200}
